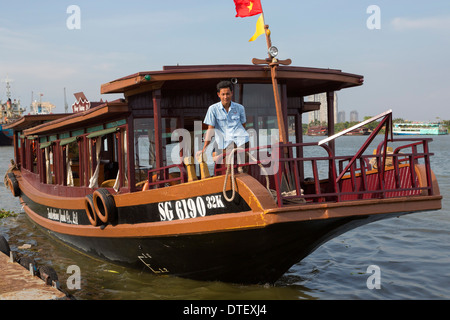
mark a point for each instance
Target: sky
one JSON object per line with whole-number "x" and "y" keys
{"x": 405, "y": 60}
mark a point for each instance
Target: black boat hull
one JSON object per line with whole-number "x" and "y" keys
{"x": 253, "y": 256}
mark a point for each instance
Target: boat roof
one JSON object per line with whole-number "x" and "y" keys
{"x": 32, "y": 120}
{"x": 301, "y": 80}
{"x": 105, "y": 111}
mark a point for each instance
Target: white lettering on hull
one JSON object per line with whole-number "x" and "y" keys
{"x": 189, "y": 208}
{"x": 62, "y": 215}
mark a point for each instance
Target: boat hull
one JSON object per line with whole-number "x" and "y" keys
{"x": 5, "y": 137}
{"x": 247, "y": 240}
{"x": 419, "y": 133}
{"x": 251, "y": 256}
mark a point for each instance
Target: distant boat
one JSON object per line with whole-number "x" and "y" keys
{"x": 363, "y": 131}
{"x": 5, "y": 136}
{"x": 419, "y": 129}
{"x": 10, "y": 112}
{"x": 317, "y": 131}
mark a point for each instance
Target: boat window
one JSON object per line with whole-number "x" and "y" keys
{"x": 144, "y": 145}
{"x": 49, "y": 163}
{"x": 169, "y": 148}
{"x": 260, "y": 110}
{"x": 259, "y": 105}
{"x": 34, "y": 160}
{"x": 72, "y": 158}
{"x": 104, "y": 162}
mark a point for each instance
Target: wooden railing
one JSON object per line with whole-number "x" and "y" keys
{"x": 385, "y": 173}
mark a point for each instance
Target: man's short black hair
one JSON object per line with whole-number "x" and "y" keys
{"x": 224, "y": 84}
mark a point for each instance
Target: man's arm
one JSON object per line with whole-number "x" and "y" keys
{"x": 209, "y": 134}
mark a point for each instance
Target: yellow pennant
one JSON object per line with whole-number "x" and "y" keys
{"x": 259, "y": 28}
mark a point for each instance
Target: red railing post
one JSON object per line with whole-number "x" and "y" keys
{"x": 428, "y": 167}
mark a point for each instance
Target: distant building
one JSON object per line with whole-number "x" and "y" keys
{"x": 354, "y": 116}
{"x": 322, "y": 114}
{"x": 341, "y": 117}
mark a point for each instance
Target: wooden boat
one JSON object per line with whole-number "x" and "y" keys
{"x": 317, "y": 131}
{"x": 363, "y": 131}
{"x": 101, "y": 180}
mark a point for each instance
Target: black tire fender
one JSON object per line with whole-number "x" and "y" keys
{"x": 105, "y": 206}
{"x": 13, "y": 184}
{"x": 26, "y": 261}
{"x": 90, "y": 210}
{"x": 48, "y": 274}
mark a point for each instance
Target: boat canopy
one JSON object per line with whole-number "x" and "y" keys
{"x": 301, "y": 81}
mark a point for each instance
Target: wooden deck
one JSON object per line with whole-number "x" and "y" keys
{"x": 16, "y": 283}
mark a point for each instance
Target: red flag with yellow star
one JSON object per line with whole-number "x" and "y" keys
{"x": 247, "y": 8}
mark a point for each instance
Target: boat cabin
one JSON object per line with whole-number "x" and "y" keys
{"x": 128, "y": 145}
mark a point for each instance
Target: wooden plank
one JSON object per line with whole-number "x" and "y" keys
{"x": 16, "y": 283}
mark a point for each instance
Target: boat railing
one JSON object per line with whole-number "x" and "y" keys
{"x": 162, "y": 177}
{"x": 377, "y": 175}
{"x": 281, "y": 167}
{"x": 385, "y": 173}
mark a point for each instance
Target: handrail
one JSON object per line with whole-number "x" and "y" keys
{"x": 165, "y": 175}
{"x": 358, "y": 180}
{"x": 387, "y": 121}
{"x": 359, "y": 125}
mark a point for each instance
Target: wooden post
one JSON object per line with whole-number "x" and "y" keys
{"x": 120, "y": 157}
{"x": 64, "y": 165}
{"x": 87, "y": 163}
{"x": 81, "y": 168}
{"x": 330, "y": 115}
{"x": 158, "y": 129}
{"x": 16, "y": 147}
{"x": 299, "y": 139}
{"x": 278, "y": 106}
{"x": 130, "y": 153}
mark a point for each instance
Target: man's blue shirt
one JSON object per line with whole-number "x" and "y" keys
{"x": 228, "y": 126}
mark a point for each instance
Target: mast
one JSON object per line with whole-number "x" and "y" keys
{"x": 273, "y": 63}
{"x": 8, "y": 86}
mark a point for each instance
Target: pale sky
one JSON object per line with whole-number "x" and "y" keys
{"x": 405, "y": 63}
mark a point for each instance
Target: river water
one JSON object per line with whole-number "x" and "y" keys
{"x": 411, "y": 255}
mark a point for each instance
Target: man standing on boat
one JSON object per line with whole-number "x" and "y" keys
{"x": 226, "y": 121}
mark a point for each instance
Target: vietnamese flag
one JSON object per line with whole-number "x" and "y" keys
{"x": 247, "y": 8}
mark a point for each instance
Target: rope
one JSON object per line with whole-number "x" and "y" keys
{"x": 230, "y": 172}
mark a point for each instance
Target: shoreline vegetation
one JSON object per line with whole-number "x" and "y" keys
{"x": 7, "y": 213}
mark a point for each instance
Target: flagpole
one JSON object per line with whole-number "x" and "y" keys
{"x": 276, "y": 92}
{"x": 266, "y": 30}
